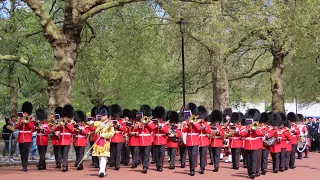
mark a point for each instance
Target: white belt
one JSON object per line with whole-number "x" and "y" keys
{"x": 159, "y": 134}
{"x": 251, "y": 138}
{"x": 25, "y": 131}
{"x": 118, "y": 131}
{"x": 65, "y": 133}
{"x": 80, "y": 136}
{"x": 217, "y": 137}
{"x": 294, "y": 135}
{"x": 144, "y": 134}
{"x": 42, "y": 134}
{"x": 192, "y": 134}
{"x": 203, "y": 135}
{"x": 234, "y": 137}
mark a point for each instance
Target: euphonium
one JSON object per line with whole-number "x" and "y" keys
{"x": 254, "y": 126}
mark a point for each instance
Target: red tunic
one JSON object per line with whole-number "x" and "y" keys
{"x": 144, "y": 132}
{"x": 43, "y": 134}
{"x": 91, "y": 133}
{"x": 295, "y": 134}
{"x": 251, "y": 138}
{"x": 235, "y": 141}
{"x": 133, "y": 136}
{"x": 80, "y": 138}
{"x": 282, "y": 136}
{"x": 204, "y": 134}
{"x": 25, "y": 131}
{"x": 192, "y": 134}
{"x": 171, "y": 143}
{"x": 217, "y": 139}
{"x": 160, "y": 134}
{"x": 118, "y": 136}
{"x": 65, "y": 136}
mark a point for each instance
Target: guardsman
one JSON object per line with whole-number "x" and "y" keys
{"x": 217, "y": 136}
{"x": 125, "y": 154}
{"x": 160, "y": 136}
{"x": 145, "y": 127}
{"x": 66, "y": 128}
{"x": 25, "y": 125}
{"x": 287, "y": 125}
{"x": 93, "y": 114}
{"x": 55, "y": 137}
{"x": 182, "y": 148}
{"x": 133, "y": 134}
{"x": 251, "y": 134}
{"x": 243, "y": 156}
{"x": 295, "y": 132}
{"x": 192, "y": 128}
{"x": 265, "y": 128}
{"x": 203, "y": 137}
{"x": 174, "y": 135}
{"x": 81, "y": 131}
{"x": 283, "y": 140}
{"x": 226, "y": 148}
{"x": 117, "y": 140}
{"x": 103, "y": 133}
{"x": 235, "y": 140}
{"x": 43, "y": 130}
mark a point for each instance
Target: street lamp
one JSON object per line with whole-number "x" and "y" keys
{"x": 182, "y": 22}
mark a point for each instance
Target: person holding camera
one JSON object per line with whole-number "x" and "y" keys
{"x": 42, "y": 128}
{"x": 7, "y": 131}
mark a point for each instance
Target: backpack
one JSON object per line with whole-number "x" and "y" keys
{"x": 6, "y": 132}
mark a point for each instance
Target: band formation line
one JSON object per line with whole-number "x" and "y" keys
{"x": 115, "y": 134}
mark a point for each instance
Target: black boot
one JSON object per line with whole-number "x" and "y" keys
{"x": 201, "y": 171}
{"x": 183, "y": 165}
{"x": 145, "y": 170}
{"x": 216, "y": 169}
{"x": 58, "y": 166}
{"x": 134, "y": 165}
{"x": 192, "y": 173}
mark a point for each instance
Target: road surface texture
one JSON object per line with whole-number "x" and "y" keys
{"x": 307, "y": 169}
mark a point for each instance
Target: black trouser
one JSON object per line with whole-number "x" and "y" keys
{"x": 244, "y": 157}
{"x": 159, "y": 151}
{"x": 293, "y": 156}
{"x": 183, "y": 154}
{"x": 251, "y": 161}
{"x": 95, "y": 159}
{"x": 125, "y": 154}
{"x": 203, "y": 156}
{"x": 287, "y": 159}
{"x": 152, "y": 153}
{"x": 134, "y": 153}
{"x": 317, "y": 142}
{"x": 57, "y": 154}
{"x": 172, "y": 155}
{"x": 264, "y": 162}
{"x": 192, "y": 152}
{"x": 259, "y": 157}
{"x": 24, "y": 152}
{"x": 145, "y": 154}
{"x": 115, "y": 153}
{"x": 42, "y": 153}
{"x": 211, "y": 155}
{"x": 275, "y": 161}
{"x": 79, "y": 154}
{"x": 235, "y": 157}
{"x": 216, "y": 155}
{"x": 64, "y": 152}
{"x": 282, "y": 157}
{"x": 6, "y": 148}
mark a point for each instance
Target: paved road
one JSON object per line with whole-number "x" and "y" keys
{"x": 307, "y": 169}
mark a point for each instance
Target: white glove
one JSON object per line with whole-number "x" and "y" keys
{"x": 81, "y": 128}
{"x": 102, "y": 125}
{"x": 101, "y": 135}
{"x": 91, "y": 122}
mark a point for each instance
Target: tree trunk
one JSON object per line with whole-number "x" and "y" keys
{"x": 60, "y": 82}
{"x": 14, "y": 99}
{"x": 220, "y": 83}
{"x": 277, "y": 80}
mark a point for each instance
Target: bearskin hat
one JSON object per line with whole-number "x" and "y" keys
{"x": 80, "y": 116}
{"x": 58, "y": 110}
{"x": 94, "y": 112}
{"x": 291, "y": 116}
{"x": 67, "y": 111}
{"x": 125, "y": 113}
{"x": 103, "y": 107}
{"x": 265, "y": 117}
{"x": 159, "y": 112}
{"x": 253, "y": 114}
{"x": 283, "y": 116}
{"x": 193, "y": 108}
{"x": 174, "y": 117}
{"x": 275, "y": 119}
{"x": 300, "y": 118}
{"x": 287, "y": 124}
{"x": 227, "y": 112}
{"x": 133, "y": 114}
{"x": 41, "y": 114}
{"x": 27, "y": 107}
{"x": 235, "y": 117}
{"x": 146, "y": 110}
{"x": 202, "y": 112}
{"x": 115, "y": 110}
{"x": 167, "y": 118}
{"x": 216, "y": 116}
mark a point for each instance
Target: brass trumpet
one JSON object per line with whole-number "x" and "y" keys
{"x": 254, "y": 126}
{"x": 144, "y": 119}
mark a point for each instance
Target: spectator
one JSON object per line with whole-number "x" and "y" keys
{"x": 34, "y": 147}
{"x": 7, "y": 131}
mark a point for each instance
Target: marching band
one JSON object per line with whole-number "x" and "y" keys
{"x": 115, "y": 134}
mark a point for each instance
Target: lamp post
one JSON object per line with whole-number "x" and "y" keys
{"x": 182, "y": 22}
